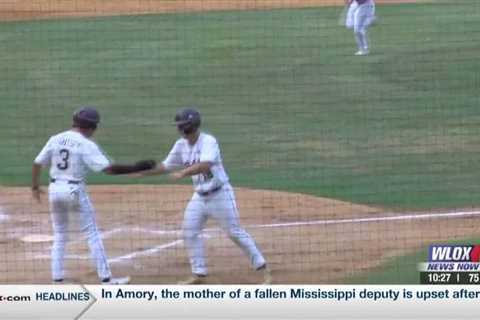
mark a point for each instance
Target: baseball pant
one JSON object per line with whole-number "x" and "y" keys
{"x": 222, "y": 207}
{"x": 71, "y": 202}
{"x": 359, "y": 18}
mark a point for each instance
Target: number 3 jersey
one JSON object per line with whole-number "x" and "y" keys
{"x": 205, "y": 149}
{"x": 71, "y": 155}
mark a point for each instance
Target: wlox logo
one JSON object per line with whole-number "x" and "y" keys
{"x": 453, "y": 253}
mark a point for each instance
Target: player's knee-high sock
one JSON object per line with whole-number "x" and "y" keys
{"x": 58, "y": 255}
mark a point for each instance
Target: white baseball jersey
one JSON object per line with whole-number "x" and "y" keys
{"x": 205, "y": 149}
{"x": 70, "y": 156}
{"x": 219, "y": 205}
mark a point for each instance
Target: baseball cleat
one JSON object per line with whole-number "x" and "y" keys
{"x": 362, "y": 53}
{"x": 117, "y": 281}
{"x": 267, "y": 274}
{"x": 57, "y": 281}
{"x": 194, "y": 279}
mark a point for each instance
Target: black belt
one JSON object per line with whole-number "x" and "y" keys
{"x": 207, "y": 193}
{"x": 68, "y": 181}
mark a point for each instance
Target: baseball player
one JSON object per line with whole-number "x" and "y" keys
{"x": 197, "y": 155}
{"x": 70, "y": 155}
{"x": 360, "y": 15}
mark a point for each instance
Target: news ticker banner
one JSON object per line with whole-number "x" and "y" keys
{"x": 238, "y": 302}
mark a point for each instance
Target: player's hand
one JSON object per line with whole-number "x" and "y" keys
{"x": 177, "y": 175}
{"x": 36, "y": 192}
{"x": 143, "y": 165}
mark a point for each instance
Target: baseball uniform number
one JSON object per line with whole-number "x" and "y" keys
{"x": 65, "y": 154}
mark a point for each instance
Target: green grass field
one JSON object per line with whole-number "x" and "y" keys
{"x": 291, "y": 106}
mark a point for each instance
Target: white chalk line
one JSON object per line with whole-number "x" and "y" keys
{"x": 162, "y": 247}
{"x": 149, "y": 251}
{"x": 107, "y": 234}
{"x": 146, "y": 252}
{"x": 3, "y": 215}
{"x": 371, "y": 219}
{"x": 154, "y": 231}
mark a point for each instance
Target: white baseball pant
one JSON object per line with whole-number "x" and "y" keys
{"x": 222, "y": 207}
{"x": 359, "y": 18}
{"x": 67, "y": 199}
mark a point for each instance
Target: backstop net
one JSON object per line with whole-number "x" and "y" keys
{"x": 351, "y": 150}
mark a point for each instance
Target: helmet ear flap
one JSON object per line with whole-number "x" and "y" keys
{"x": 188, "y": 129}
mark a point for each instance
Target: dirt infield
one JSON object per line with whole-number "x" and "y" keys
{"x": 36, "y": 9}
{"x": 306, "y": 239}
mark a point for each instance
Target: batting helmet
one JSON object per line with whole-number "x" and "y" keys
{"x": 188, "y": 120}
{"x": 86, "y": 117}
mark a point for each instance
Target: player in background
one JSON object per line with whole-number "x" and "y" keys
{"x": 197, "y": 155}
{"x": 70, "y": 155}
{"x": 360, "y": 16}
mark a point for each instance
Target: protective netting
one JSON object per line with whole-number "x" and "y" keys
{"x": 345, "y": 166}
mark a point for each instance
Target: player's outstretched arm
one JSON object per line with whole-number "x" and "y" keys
{"x": 197, "y": 168}
{"x": 139, "y": 166}
{"x": 159, "y": 169}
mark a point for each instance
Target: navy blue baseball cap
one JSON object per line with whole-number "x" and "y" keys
{"x": 86, "y": 117}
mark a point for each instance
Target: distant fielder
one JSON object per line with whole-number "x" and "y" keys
{"x": 197, "y": 155}
{"x": 360, "y": 15}
{"x": 70, "y": 155}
